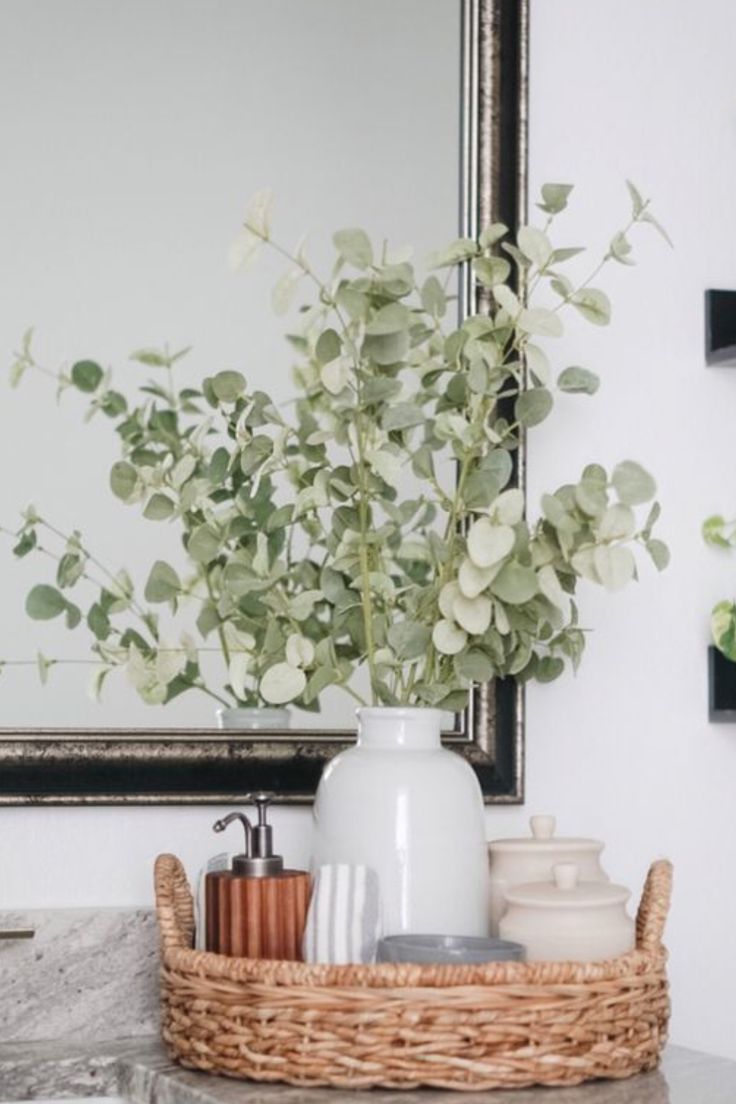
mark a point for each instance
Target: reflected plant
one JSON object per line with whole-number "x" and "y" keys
{"x": 209, "y": 461}
{"x": 452, "y": 583}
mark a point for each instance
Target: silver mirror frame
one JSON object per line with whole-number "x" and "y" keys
{"x": 212, "y": 767}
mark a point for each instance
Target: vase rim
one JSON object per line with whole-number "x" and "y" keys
{"x": 397, "y": 711}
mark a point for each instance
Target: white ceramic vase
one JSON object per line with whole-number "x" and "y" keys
{"x": 400, "y": 803}
{"x": 252, "y": 718}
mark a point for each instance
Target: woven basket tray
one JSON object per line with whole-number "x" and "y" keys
{"x": 500, "y": 1025}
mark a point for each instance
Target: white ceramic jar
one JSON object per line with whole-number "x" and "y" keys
{"x": 413, "y": 811}
{"x": 531, "y": 858}
{"x": 568, "y": 920}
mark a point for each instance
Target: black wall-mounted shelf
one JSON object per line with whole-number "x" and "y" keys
{"x": 720, "y": 328}
{"x": 721, "y": 687}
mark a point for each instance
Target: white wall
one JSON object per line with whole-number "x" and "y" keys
{"x": 624, "y": 751}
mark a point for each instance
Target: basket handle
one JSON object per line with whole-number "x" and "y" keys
{"x": 174, "y": 904}
{"x": 654, "y": 906}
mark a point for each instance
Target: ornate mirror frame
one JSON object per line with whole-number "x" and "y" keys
{"x": 208, "y": 766}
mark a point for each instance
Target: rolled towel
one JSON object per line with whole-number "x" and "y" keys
{"x": 343, "y": 922}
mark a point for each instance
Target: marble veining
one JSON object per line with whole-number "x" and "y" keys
{"x": 30, "y": 1070}
{"x": 140, "y": 1071}
{"x": 87, "y": 973}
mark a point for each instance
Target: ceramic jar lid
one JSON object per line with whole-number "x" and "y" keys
{"x": 543, "y": 839}
{"x": 566, "y": 891}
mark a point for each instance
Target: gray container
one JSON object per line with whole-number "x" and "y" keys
{"x": 457, "y": 949}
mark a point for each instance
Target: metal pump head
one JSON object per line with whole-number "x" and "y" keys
{"x": 258, "y": 860}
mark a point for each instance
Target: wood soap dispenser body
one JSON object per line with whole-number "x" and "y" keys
{"x": 257, "y": 909}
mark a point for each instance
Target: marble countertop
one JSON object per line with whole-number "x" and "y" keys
{"x": 140, "y": 1071}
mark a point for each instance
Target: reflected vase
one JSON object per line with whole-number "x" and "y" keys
{"x": 401, "y": 804}
{"x": 253, "y": 718}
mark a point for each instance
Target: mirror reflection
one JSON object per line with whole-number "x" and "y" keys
{"x": 134, "y": 135}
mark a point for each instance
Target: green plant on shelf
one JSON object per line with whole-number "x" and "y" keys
{"x": 719, "y": 532}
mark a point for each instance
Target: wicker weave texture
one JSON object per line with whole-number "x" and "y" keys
{"x": 500, "y": 1025}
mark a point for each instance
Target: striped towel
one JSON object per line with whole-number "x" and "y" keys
{"x": 343, "y": 922}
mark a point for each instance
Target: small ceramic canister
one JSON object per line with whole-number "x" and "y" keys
{"x": 567, "y": 920}
{"x": 531, "y": 858}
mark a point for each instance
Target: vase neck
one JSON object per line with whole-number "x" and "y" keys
{"x": 400, "y": 728}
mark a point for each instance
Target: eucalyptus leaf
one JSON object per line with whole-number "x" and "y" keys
{"x": 328, "y": 347}
{"x": 617, "y": 523}
{"x": 402, "y": 416}
{"x": 533, "y": 406}
{"x": 578, "y": 381}
{"x": 507, "y": 299}
{"x": 489, "y": 543}
{"x": 535, "y": 246}
{"x": 159, "y": 507}
{"x": 409, "y": 639}
{"x": 647, "y": 216}
{"x": 515, "y": 584}
{"x": 355, "y": 247}
{"x": 163, "y": 583}
{"x": 69, "y": 570}
{"x": 659, "y": 553}
{"x": 549, "y": 668}
{"x": 433, "y": 297}
{"x": 491, "y": 271}
{"x": 615, "y": 565}
{"x": 448, "y": 638}
{"x": 385, "y": 349}
{"x": 463, "y": 249}
{"x": 637, "y": 203}
{"x": 228, "y": 386}
{"x": 28, "y": 541}
{"x": 492, "y": 234}
{"x": 380, "y": 390}
{"x": 43, "y": 603}
{"x": 86, "y": 375}
{"x": 540, "y": 322}
{"x": 474, "y": 665}
{"x": 472, "y": 614}
{"x": 632, "y": 483}
{"x": 282, "y": 683}
{"x": 554, "y": 198}
{"x": 620, "y": 249}
{"x": 593, "y": 304}
{"x": 255, "y": 453}
{"x": 390, "y": 319}
{"x": 123, "y": 480}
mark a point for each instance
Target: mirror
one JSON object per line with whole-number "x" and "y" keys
{"x": 131, "y": 149}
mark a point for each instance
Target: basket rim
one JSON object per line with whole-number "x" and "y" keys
{"x": 401, "y": 976}
{"x": 175, "y": 912}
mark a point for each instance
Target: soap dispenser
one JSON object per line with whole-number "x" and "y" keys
{"x": 257, "y": 909}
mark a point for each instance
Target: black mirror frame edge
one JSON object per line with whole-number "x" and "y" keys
{"x": 211, "y": 767}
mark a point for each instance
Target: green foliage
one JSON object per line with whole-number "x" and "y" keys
{"x": 87, "y": 375}
{"x": 719, "y": 533}
{"x": 304, "y": 550}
